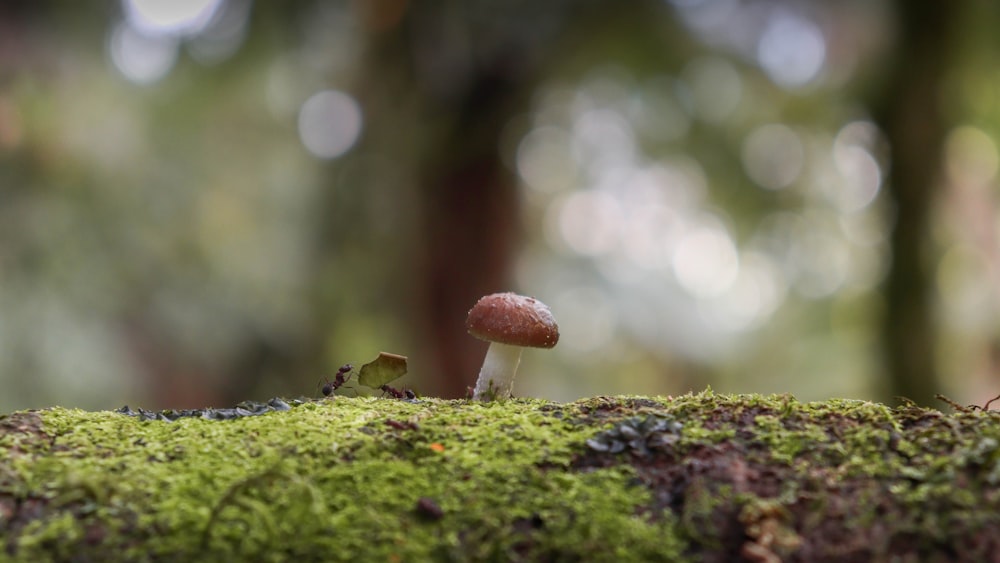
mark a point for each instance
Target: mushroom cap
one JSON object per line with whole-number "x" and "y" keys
{"x": 509, "y": 318}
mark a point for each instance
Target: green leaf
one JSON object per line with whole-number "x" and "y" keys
{"x": 383, "y": 369}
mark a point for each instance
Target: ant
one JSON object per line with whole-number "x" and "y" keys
{"x": 397, "y": 394}
{"x": 343, "y": 374}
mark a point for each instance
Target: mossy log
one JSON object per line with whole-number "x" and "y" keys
{"x": 701, "y": 477}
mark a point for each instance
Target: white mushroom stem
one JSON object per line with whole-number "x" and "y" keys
{"x": 499, "y": 368}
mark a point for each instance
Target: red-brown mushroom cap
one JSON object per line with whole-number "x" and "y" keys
{"x": 509, "y": 318}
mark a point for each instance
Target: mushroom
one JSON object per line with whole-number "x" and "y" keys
{"x": 509, "y": 322}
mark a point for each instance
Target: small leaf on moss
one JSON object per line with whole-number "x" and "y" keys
{"x": 382, "y": 370}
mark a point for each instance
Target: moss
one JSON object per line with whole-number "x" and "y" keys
{"x": 327, "y": 480}
{"x": 340, "y": 479}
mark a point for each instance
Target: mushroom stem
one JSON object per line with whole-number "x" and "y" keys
{"x": 496, "y": 377}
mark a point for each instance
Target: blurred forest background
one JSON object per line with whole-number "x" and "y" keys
{"x": 205, "y": 201}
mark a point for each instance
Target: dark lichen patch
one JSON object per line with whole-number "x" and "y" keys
{"x": 638, "y": 436}
{"x": 245, "y": 408}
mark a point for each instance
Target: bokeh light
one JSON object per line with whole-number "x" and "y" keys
{"x": 791, "y": 50}
{"x": 773, "y": 156}
{"x": 589, "y": 222}
{"x": 329, "y": 123}
{"x": 143, "y": 59}
{"x": 716, "y": 87}
{"x": 145, "y": 45}
{"x": 545, "y": 160}
{"x": 858, "y": 167}
{"x": 170, "y": 17}
{"x": 223, "y": 35}
{"x": 706, "y": 263}
{"x": 971, "y": 155}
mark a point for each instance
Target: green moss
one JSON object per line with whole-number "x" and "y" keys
{"x": 328, "y": 480}
{"x": 340, "y": 479}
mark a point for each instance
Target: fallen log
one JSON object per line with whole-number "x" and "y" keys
{"x": 702, "y": 477}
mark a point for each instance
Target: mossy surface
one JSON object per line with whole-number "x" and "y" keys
{"x": 368, "y": 479}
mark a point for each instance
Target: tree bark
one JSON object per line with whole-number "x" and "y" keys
{"x": 912, "y": 115}
{"x": 460, "y": 92}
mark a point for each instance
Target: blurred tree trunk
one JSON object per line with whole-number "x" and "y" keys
{"x": 911, "y": 114}
{"x": 460, "y": 94}
{"x": 469, "y": 72}
{"x": 471, "y": 219}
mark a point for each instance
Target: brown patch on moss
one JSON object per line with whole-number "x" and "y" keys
{"x": 786, "y": 485}
{"x": 21, "y": 429}
{"x": 599, "y": 408}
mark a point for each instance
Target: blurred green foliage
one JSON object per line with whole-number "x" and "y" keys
{"x": 198, "y": 208}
